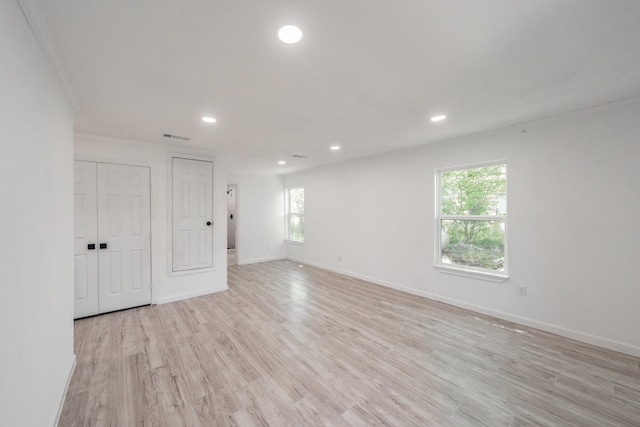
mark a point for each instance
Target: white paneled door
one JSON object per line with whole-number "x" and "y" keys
{"x": 192, "y": 212}
{"x": 113, "y": 234}
{"x": 124, "y": 236}
{"x": 85, "y": 239}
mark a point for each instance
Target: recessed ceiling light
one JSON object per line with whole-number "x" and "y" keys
{"x": 290, "y": 34}
{"x": 438, "y": 118}
{"x": 208, "y": 120}
{"x": 282, "y": 162}
{"x": 335, "y": 147}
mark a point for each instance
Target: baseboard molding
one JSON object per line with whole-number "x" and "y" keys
{"x": 543, "y": 326}
{"x": 56, "y": 416}
{"x": 193, "y": 294}
{"x": 257, "y": 260}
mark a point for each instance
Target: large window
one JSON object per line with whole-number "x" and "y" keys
{"x": 471, "y": 220}
{"x": 295, "y": 214}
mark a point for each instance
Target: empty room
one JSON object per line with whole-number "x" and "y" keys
{"x": 329, "y": 213}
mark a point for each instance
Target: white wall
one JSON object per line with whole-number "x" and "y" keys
{"x": 260, "y": 214}
{"x": 36, "y": 229}
{"x": 574, "y": 233}
{"x": 166, "y": 288}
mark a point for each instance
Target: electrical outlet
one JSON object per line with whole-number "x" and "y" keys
{"x": 339, "y": 258}
{"x": 268, "y": 247}
{"x": 522, "y": 291}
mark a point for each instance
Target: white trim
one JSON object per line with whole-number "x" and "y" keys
{"x": 204, "y": 158}
{"x": 113, "y": 161}
{"x": 473, "y": 217}
{"x": 469, "y": 272}
{"x": 236, "y": 220}
{"x": 543, "y": 326}
{"x": 187, "y": 156}
{"x": 472, "y": 274}
{"x": 194, "y": 294}
{"x": 257, "y": 260}
{"x": 294, "y": 242}
{"x": 181, "y": 149}
{"x": 472, "y": 165}
{"x": 41, "y": 31}
{"x": 192, "y": 271}
{"x": 56, "y": 415}
{"x": 287, "y": 214}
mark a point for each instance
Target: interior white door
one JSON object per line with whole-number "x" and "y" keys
{"x": 192, "y": 214}
{"x": 124, "y": 236}
{"x": 85, "y": 298}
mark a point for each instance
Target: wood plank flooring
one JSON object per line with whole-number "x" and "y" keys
{"x": 292, "y": 345}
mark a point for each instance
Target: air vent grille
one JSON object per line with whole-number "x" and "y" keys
{"x": 181, "y": 138}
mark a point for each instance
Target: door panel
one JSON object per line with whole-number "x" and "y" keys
{"x": 192, "y": 210}
{"x": 85, "y": 233}
{"x": 124, "y": 226}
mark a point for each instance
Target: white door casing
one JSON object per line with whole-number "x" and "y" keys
{"x": 192, "y": 214}
{"x": 112, "y": 207}
{"x": 85, "y": 234}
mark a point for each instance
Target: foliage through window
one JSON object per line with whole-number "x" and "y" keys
{"x": 472, "y": 218}
{"x": 295, "y": 214}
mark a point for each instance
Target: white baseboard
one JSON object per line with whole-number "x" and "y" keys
{"x": 56, "y": 416}
{"x": 547, "y": 327}
{"x": 187, "y": 295}
{"x": 257, "y": 260}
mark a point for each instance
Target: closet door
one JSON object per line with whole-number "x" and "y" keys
{"x": 124, "y": 231}
{"x": 85, "y": 240}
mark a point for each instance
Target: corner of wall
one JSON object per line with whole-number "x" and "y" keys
{"x": 56, "y": 415}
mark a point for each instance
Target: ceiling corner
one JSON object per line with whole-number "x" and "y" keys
{"x": 36, "y": 20}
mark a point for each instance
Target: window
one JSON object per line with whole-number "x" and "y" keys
{"x": 295, "y": 214}
{"x": 471, "y": 220}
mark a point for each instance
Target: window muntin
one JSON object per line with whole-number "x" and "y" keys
{"x": 471, "y": 219}
{"x": 295, "y": 214}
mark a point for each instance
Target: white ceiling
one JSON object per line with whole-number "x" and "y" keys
{"x": 367, "y": 74}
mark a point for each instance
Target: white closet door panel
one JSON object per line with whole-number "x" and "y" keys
{"x": 192, "y": 214}
{"x": 85, "y": 234}
{"x": 124, "y": 227}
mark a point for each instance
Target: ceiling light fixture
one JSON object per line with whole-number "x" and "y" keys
{"x": 290, "y": 34}
{"x": 438, "y": 118}
{"x": 335, "y": 147}
{"x": 209, "y": 120}
{"x": 282, "y": 162}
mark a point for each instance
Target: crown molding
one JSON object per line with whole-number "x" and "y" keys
{"x": 90, "y": 137}
{"x": 36, "y": 20}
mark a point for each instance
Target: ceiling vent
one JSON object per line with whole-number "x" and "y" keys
{"x": 181, "y": 138}
{"x": 299, "y": 156}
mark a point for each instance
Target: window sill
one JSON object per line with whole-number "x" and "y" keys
{"x": 472, "y": 274}
{"x": 294, "y": 242}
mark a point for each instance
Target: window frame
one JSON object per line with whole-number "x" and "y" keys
{"x": 469, "y": 271}
{"x": 289, "y": 214}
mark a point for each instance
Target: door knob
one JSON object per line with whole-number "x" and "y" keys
{"x": 209, "y": 223}
{"x": 103, "y": 246}
{"x": 91, "y": 246}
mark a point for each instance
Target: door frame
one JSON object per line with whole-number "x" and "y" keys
{"x": 170, "y": 157}
{"x": 152, "y": 199}
{"x": 237, "y": 222}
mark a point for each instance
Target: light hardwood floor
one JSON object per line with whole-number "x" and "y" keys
{"x": 298, "y": 346}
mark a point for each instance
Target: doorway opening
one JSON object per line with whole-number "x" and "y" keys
{"x": 232, "y": 256}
